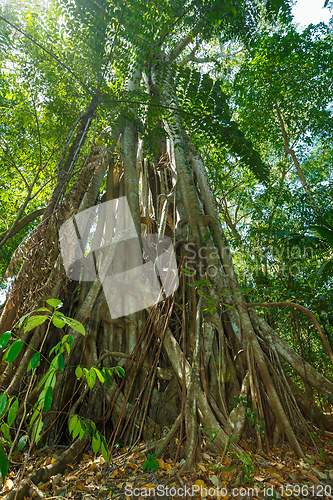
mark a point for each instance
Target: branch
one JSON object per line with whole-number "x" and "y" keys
{"x": 181, "y": 47}
{"x": 306, "y": 311}
{"x": 289, "y": 151}
{"x": 16, "y": 227}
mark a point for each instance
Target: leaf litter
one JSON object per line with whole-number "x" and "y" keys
{"x": 92, "y": 478}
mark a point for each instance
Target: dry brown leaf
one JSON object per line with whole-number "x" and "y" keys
{"x": 132, "y": 465}
{"x": 163, "y": 465}
{"x": 44, "y": 486}
{"x": 313, "y": 478}
{"x": 272, "y": 472}
{"x": 148, "y": 486}
{"x": 93, "y": 466}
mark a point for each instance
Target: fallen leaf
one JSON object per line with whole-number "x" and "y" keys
{"x": 163, "y": 465}
{"x": 274, "y": 474}
{"x": 132, "y": 465}
{"x": 215, "y": 480}
{"x": 148, "y": 486}
{"x": 312, "y": 477}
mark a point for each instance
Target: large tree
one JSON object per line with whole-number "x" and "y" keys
{"x": 202, "y": 357}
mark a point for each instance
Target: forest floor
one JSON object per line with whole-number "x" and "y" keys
{"x": 134, "y": 475}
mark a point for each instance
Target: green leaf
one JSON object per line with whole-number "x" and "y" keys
{"x": 105, "y": 453}
{"x": 56, "y": 303}
{"x": 77, "y": 429}
{"x": 78, "y": 371}
{"x": 189, "y": 273}
{"x": 34, "y": 321}
{"x": 4, "y": 339}
{"x": 14, "y": 351}
{"x": 75, "y": 325}
{"x": 61, "y": 362}
{"x": 3, "y": 464}
{"x": 228, "y": 469}
{"x": 3, "y": 404}
{"x": 48, "y": 399}
{"x": 72, "y": 423}
{"x": 34, "y": 362}
{"x": 6, "y": 431}
{"x": 90, "y": 376}
{"x": 96, "y": 443}
{"x": 58, "y": 322}
{"x": 12, "y": 413}
{"x": 39, "y": 430}
{"x": 22, "y": 442}
{"x": 120, "y": 371}
{"x": 99, "y": 375}
{"x": 212, "y": 436}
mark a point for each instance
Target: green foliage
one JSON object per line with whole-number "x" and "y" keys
{"x": 10, "y": 406}
{"x": 151, "y": 463}
{"x": 80, "y": 427}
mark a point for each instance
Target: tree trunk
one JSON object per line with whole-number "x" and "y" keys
{"x": 185, "y": 358}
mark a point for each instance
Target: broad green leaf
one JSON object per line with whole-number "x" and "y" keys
{"x": 120, "y": 371}
{"x": 105, "y": 453}
{"x": 3, "y": 464}
{"x": 34, "y": 362}
{"x": 61, "y": 362}
{"x": 75, "y": 325}
{"x": 96, "y": 443}
{"x": 212, "y": 436}
{"x": 90, "y": 376}
{"x": 12, "y": 413}
{"x": 99, "y": 375}
{"x": 56, "y": 303}
{"x": 73, "y": 423}
{"x": 14, "y": 351}
{"x": 4, "y": 339}
{"x": 34, "y": 415}
{"x": 58, "y": 322}
{"x": 48, "y": 399}
{"x": 78, "y": 371}
{"x": 39, "y": 430}
{"x": 55, "y": 349}
{"x": 6, "y": 431}
{"x": 22, "y": 442}
{"x": 45, "y": 309}
{"x": 77, "y": 429}
{"x": 34, "y": 321}
{"x": 3, "y": 404}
